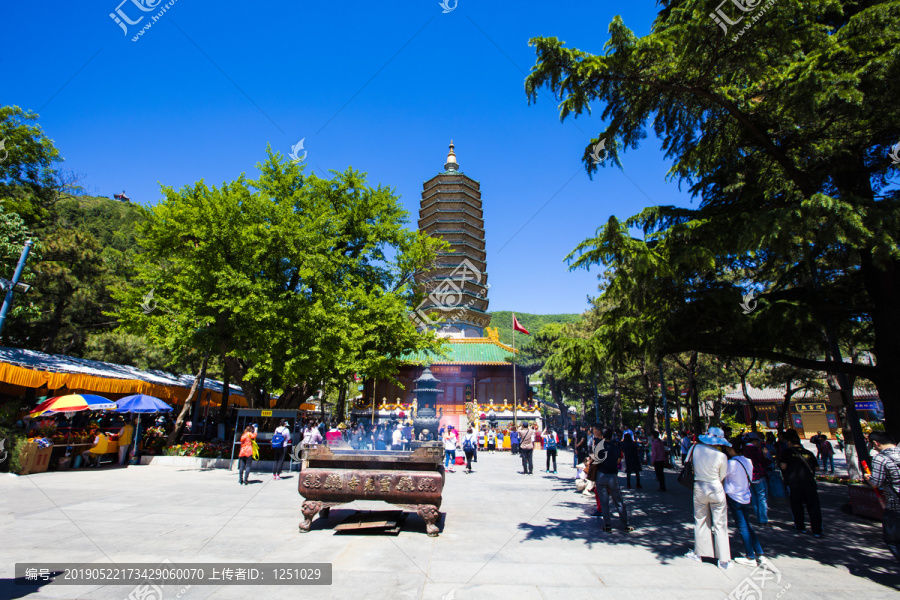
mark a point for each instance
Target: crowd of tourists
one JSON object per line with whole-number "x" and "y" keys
{"x": 730, "y": 475}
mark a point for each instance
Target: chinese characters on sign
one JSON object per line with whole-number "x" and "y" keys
{"x": 382, "y": 484}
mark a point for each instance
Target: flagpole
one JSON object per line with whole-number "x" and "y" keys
{"x": 515, "y": 403}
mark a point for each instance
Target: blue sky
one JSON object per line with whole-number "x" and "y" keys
{"x": 379, "y": 86}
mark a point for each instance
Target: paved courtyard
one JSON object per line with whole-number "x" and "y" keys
{"x": 504, "y": 535}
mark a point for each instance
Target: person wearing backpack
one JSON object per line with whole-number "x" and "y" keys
{"x": 281, "y": 441}
{"x": 886, "y": 476}
{"x": 799, "y": 466}
{"x": 550, "y": 442}
{"x": 470, "y": 441}
{"x": 526, "y": 449}
{"x": 605, "y": 455}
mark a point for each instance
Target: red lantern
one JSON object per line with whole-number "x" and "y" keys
{"x": 483, "y": 416}
{"x": 402, "y": 414}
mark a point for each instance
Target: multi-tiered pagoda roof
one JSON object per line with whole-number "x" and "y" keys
{"x": 457, "y": 287}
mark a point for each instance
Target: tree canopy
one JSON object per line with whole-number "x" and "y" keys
{"x": 294, "y": 280}
{"x": 783, "y": 137}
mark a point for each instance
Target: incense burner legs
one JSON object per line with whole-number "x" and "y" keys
{"x": 432, "y": 515}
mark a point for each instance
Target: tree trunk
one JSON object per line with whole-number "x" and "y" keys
{"x": 340, "y": 408}
{"x": 226, "y": 392}
{"x": 560, "y": 404}
{"x": 617, "y": 402}
{"x": 252, "y": 393}
{"x": 651, "y": 398}
{"x": 849, "y": 447}
{"x": 850, "y": 453}
{"x": 694, "y": 395}
{"x": 883, "y": 287}
{"x": 785, "y": 405}
{"x": 889, "y": 393}
{"x": 186, "y": 409}
{"x": 677, "y": 393}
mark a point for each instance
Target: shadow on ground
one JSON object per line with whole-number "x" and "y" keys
{"x": 663, "y": 524}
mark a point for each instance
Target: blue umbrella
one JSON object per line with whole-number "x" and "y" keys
{"x": 141, "y": 403}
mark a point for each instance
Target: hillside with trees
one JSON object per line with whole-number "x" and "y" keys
{"x": 502, "y": 321}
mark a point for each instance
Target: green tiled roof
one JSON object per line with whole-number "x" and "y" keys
{"x": 479, "y": 351}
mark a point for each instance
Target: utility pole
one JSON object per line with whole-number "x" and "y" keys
{"x": 12, "y": 285}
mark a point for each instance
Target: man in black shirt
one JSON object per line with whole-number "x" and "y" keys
{"x": 581, "y": 449}
{"x": 799, "y": 467}
{"x": 606, "y": 454}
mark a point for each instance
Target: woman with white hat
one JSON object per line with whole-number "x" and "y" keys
{"x": 710, "y": 501}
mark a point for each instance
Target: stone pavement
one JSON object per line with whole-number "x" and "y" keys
{"x": 504, "y": 535}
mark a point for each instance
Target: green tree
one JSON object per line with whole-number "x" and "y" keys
{"x": 783, "y": 135}
{"x": 28, "y": 173}
{"x": 293, "y": 281}
{"x": 13, "y": 235}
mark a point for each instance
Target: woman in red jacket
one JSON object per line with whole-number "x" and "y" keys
{"x": 246, "y": 455}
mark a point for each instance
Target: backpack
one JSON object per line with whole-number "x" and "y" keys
{"x": 550, "y": 443}
{"x": 468, "y": 444}
{"x": 278, "y": 439}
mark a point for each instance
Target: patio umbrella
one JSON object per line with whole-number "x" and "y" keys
{"x": 140, "y": 404}
{"x": 70, "y": 404}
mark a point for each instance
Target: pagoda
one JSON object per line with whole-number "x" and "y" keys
{"x": 473, "y": 375}
{"x": 456, "y": 288}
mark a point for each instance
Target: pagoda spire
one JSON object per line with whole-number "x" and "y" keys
{"x": 451, "y": 164}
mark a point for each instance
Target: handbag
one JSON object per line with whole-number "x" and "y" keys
{"x": 776, "y": 484}
{"x": 686, "y": 477}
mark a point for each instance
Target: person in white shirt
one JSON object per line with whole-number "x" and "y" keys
{"x": 397, "y": 438}
{"x": 449, "y": 439}
{"x": 281, "y": 442}
{"x": 312, "y": 436}
{"x": 491, "y": 441}
{"x": 710, "y": 507}
{"x": 737, "y": 488}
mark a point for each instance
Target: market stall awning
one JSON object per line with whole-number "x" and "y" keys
{"x": 32, "y": 369}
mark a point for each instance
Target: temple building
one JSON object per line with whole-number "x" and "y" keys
{"x": 475, "y": 377}
{"x": 456, "y": 289}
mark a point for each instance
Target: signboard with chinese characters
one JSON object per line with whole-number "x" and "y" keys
{"x": 350, "y": 484}
{"x": 446, "y": 370}
{"x": 810, "y": 407}
{"x": 867, "y": 405}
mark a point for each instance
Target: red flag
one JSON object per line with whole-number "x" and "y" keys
{"x": 518, "y": 327}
